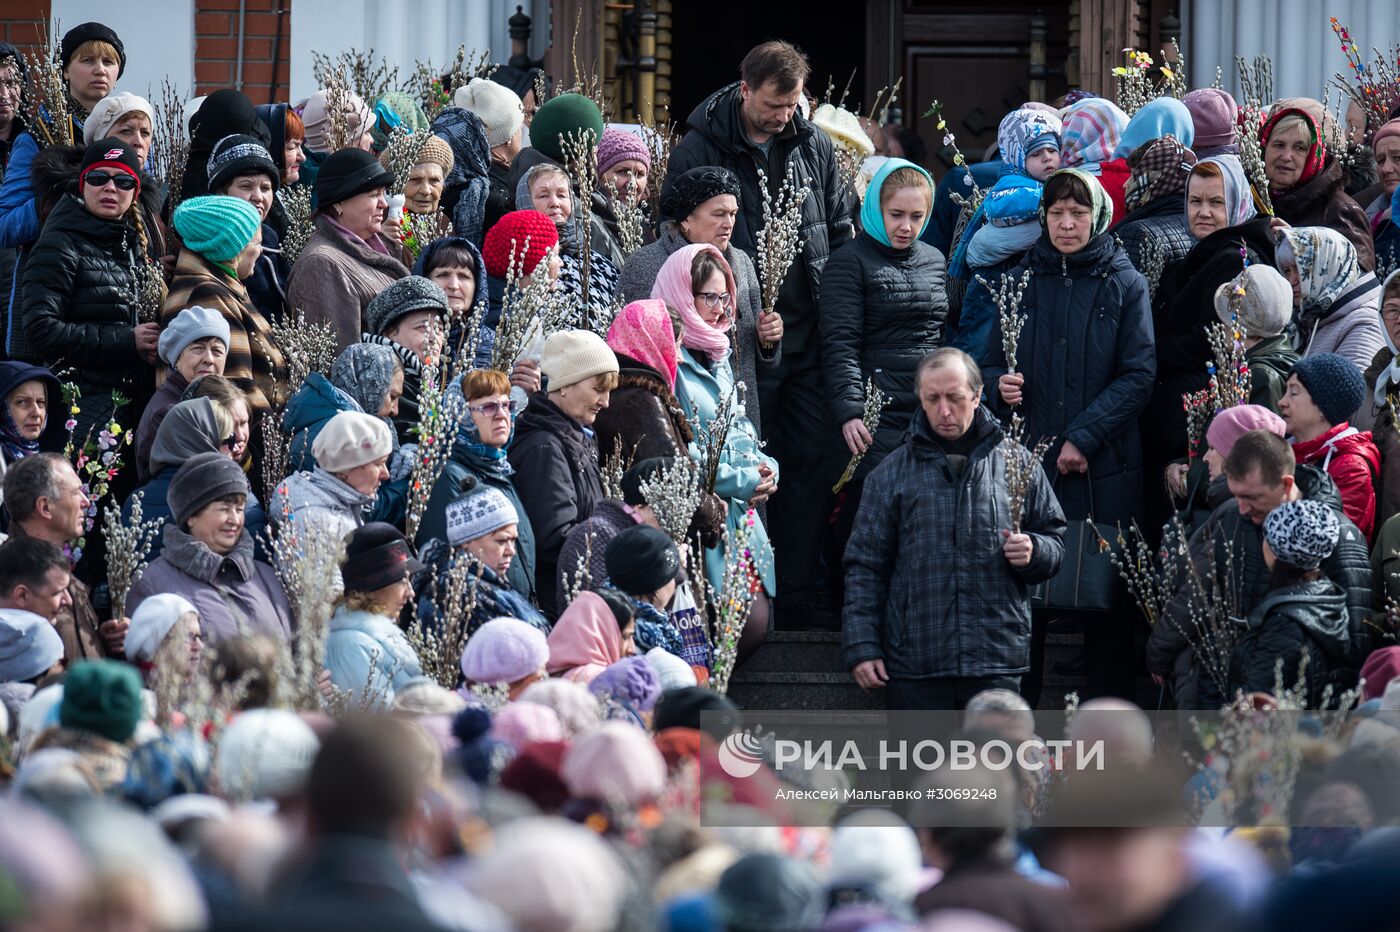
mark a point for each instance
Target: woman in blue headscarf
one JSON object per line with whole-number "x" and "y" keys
{"x": 1165, "y": 116}
{"x": 883, "y": 303}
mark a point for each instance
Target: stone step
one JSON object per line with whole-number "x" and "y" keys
{"x": 796, "y": 651}
{"x": 804, "y": 691}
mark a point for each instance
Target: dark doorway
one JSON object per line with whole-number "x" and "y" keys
{"x": 709, "y": 40}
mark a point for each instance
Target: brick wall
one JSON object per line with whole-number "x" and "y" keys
{"x": 216, "y": 47}
{"x": 18, "y": 19}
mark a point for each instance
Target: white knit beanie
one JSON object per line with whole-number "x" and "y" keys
{"x": 571, "y": 356}
{"x": 495, "y": 105}
{"x": 152, "y": 621}
{"x": 108, "y": 113}
{"x": 265, "y": 754}
{"x": 351, "y": 439}
{"x": 478, "y": 513}
{"x": 672, "y": 671}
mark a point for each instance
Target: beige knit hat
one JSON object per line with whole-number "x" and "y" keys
{"x": 574, "y": 355}
{"x": 351, "y": 439}
{"x": 495, "y": 105}
{"x": 434, "y": 149}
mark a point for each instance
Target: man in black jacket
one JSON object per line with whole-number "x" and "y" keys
{"x": 749, "y": 126}
{"x": 1262, "y": 474}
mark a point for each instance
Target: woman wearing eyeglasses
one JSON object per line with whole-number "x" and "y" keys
{"x": 78, "y": 306}
{"x": 698, "y": 283}
{"x": 479, "y": 459}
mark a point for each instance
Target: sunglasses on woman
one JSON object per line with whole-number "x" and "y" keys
{"x": 714, "y": 299}
{"x": 99, "y": 179}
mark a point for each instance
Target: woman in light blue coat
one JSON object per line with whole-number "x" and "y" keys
{"x": 697, "y": 282}
{"x": 366, "y": 653}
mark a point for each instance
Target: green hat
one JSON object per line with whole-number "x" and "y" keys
{"x": 567, "y": 113}
{"x": 103, "y": 697}
{"x": 217, "y": 226}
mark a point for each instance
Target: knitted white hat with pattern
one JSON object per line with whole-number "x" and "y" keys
{"x": 477, "y": 514}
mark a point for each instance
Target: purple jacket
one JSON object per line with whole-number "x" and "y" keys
{"x": 233, "y": 594}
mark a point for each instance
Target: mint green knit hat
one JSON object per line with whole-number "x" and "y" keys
{"x": 216, "y": 226}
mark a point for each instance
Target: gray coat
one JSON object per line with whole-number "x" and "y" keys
{"x": 639, "y": 275}
{"x": 334, "y": 279}
{"x": 234, "y": 594}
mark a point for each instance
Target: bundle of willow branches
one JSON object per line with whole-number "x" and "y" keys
{"x": 440, "y": 415}
{"x": 128, "y": 545}
{"x": 673, "y": 492}
{"x": 47, "y": 112}
{"x": 439, "y": 641}
{"x": 1008, "y": 297}
{"x": 1022, "y": 461}
{"x": 780, "y": 239}
{"x": 296, "y": 204}
{"x": 580, "y": 151}
{"x": 307, "y": 347}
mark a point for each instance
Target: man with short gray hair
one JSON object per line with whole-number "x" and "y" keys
{"x": 937, "y": 607}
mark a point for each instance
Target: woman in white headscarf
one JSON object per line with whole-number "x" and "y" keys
{"x": 1336, "y": 303}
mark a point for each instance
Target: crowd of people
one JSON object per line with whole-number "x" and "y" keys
{"x": 406, "y": 631}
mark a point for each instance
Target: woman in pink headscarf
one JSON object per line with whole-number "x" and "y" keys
{"x": 643, "y": 417}
{"x": 698, "y": 283}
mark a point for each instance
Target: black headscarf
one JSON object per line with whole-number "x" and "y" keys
{"x": 274, "y": 117}
{"x": 682, "y": 194}
{"x": 224, "y": 113}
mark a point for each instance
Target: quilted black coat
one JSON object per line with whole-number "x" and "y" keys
{"x": 882, "y": 309}
{"x": 78, "y": 309}
{"x": 1162, "y": 223}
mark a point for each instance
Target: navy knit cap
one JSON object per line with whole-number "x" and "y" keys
{"x": 1335, "y": 384}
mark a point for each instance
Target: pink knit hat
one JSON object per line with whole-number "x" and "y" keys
{"x": 617, "y": 763}
{"x": 1380, "y": 668}
{"x": 521, "y": 723}
{"x": 1233, "y": 423}
{"x": 618, "y": 145}
{"x": 642, "y": 330}
{"x": 1386, "y": 129}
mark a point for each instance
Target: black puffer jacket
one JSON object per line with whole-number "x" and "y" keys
{"x": 882, "y": 310}
{"x": 1230, "y": 538}
{"x": 77, "y": 307}
{"x": 557, "y": 479}
{"x": 1162, "y": 223}
{"x": 1308, "y": 620}
{"x": 715, "y": 136}
{"x": 1086, "y": 354}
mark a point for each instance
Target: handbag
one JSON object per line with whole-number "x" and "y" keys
{"x": 1087, "y": 581}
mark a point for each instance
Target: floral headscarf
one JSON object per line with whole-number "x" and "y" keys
{"x": 1103, "y": 207}
{"x": 1389, "y": 379}
{"x": 1158, "y": 169}
{"x": 1024, "y": 131}
{"x": 1092, "y": 128}
{"x": 1239, "y": 199}
{"x": 643, "y": 331}
{"x": 1326, "y": 262}
{"x": 1317, "y": 149}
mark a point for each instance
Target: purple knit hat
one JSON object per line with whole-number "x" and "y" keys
{"x": 631, "y": 681}
{"x": 618, "y": 145}
{"x": 504, "y": 650}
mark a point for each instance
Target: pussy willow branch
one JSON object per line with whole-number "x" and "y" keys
{"x": 307, "y": 347}
{"x": 673, "y": 492}
{"x": 780, "y": 239}
{"x": 580, "y": 151}
{"x": 875, "y": 403}
{"x": 48, "y": 114}
{"x": 440, "y": 414}
{"x": 1008, "y": 295}
{"x": 439, "y": 642}
{"x": 296, "y": 204}
{"x": 128, "y": 546}
{"x": 1021, "y": 463}
{"x": 308, "y": 563}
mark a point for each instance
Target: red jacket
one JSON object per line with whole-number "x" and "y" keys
{"x": 1113, "y": 175}
{"x": 1353, "y": 462}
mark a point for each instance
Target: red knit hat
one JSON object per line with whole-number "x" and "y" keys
{"x": 510, "y": 235}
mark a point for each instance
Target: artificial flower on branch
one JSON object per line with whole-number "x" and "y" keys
{"x": 1150, "y": 577}
{"x": 1377, "y": 83}
{"x": 97, "y": 461}
{"x": 780, "y": 239}
{"x": 875, "y": 403}
{"x": 729, "y": 606}
{"x": 128, "y": 545}
{"x": 968, "y": 202}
